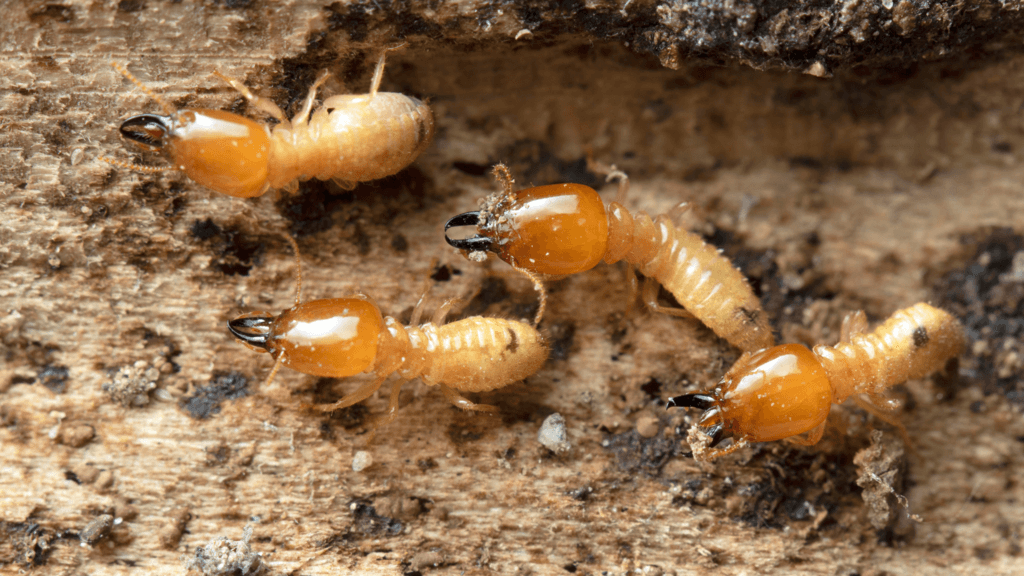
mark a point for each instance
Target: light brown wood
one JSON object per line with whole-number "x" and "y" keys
{"x": 115, "y": 277}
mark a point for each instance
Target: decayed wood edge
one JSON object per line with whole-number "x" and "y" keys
{"x": 220, "y": 452}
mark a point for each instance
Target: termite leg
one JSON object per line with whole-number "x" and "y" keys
{"x": 378, "y": 72}
{"x": 344, "y": 184}
{"x": 813, "y": 436}
{"x": 298, "y": 268}
{"x": 362, "y": 393}
{"x": 633, "y": 282}
{"x": 854, "y": 323}
{"x": 428, "y": 283}
{"x": 417, "y": 311}
{"x": 875, "y": 404}
{"x": 442, "y": 312}
{"x": 678, "y": 211}
{"x": 610, "y": 173}
{"x": 649, "y": 293}
{"x": 264, "y": 104}
{"x": 462, "y": 402}
{"x": 392, "y": 412}
{"x": 307, "y": 106}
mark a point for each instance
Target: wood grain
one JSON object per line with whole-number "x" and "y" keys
{"x": 859, "y": 191}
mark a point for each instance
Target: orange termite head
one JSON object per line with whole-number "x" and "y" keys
{"x": 335, "y": 337}
{"x": 554, "y": 229}
{"x": 224, "y": 152}
{"x": 769, "y": 395}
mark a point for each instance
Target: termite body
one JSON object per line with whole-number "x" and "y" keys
{"x": 349, "y": 138}
{"x": 341, "y": 337}
{"x": 788, "y": 390}
{"x": 566, "y": 228}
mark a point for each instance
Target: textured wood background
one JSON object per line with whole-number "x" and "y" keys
{"x": 890, "y": 172}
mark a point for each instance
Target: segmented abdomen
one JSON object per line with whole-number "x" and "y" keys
{"x": 354, "y": 138}
{"x": 912, "y": 343}
{"x": 478, "y": 354}
{"x": 701, "y": 279}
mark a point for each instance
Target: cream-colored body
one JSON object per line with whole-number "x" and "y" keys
{"x": 340, "y": 337}
{"x": 351, "y": 138}
{"x": 703, "y": 280}
{"x": 475, "y": 354}
{"x": 912, "y": 343}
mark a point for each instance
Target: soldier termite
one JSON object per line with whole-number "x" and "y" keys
{"x": 566, "y": 228}
{"x": 341, "y": 337}
{"x": 350, "y": 138}
{"x": 788, "y": 390}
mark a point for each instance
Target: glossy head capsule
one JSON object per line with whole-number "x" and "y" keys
{"x": 770, "y": 395}
{"x": 336, "y": 337}
{"x": 556, "y": 229}
{"x": 220, "y": 150}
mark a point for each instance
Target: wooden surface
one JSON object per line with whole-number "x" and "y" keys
{"x": 870, "y": 189}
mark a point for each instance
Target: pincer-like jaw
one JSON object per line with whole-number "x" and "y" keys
{"x": 147, "y": 130}
{"x": 476, "y": 243}
{"x": 253, "y": 329}
{"x": 711, "y": 421}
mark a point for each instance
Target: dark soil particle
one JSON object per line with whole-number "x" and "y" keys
{"x": 368, "y": 523}
{"x": 54, "y": 378}
{"x": 634, "y": 453}
{"x": 235, "y": 251}
{"x": 987, "y": 295}
{"x": 207, "y": 399}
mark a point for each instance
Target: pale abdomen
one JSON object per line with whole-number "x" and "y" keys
{"x": 912, "y": 343}
{"x": 478, "y": 354}
{"x": 353, "y": 138}
{"x": 703, "y": 281}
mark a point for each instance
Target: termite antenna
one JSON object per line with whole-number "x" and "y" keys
{"x": 504, "y": 177}
{"x": 298, "y": 268}
{"x": 701, "y": 401}
{"x": 136, "y": 167}
{"x": 541, "y": 290}
{"x": 428, "y": 285}
{"x": 156, "y": 98}
{"x": 476, "y": 243}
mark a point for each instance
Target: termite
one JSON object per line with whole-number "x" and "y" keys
{"x": 566, "y": 228}
{"x": 788, "y": 390}
{"x": 350, "y": 138}
{"x": 341, "y": 337}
